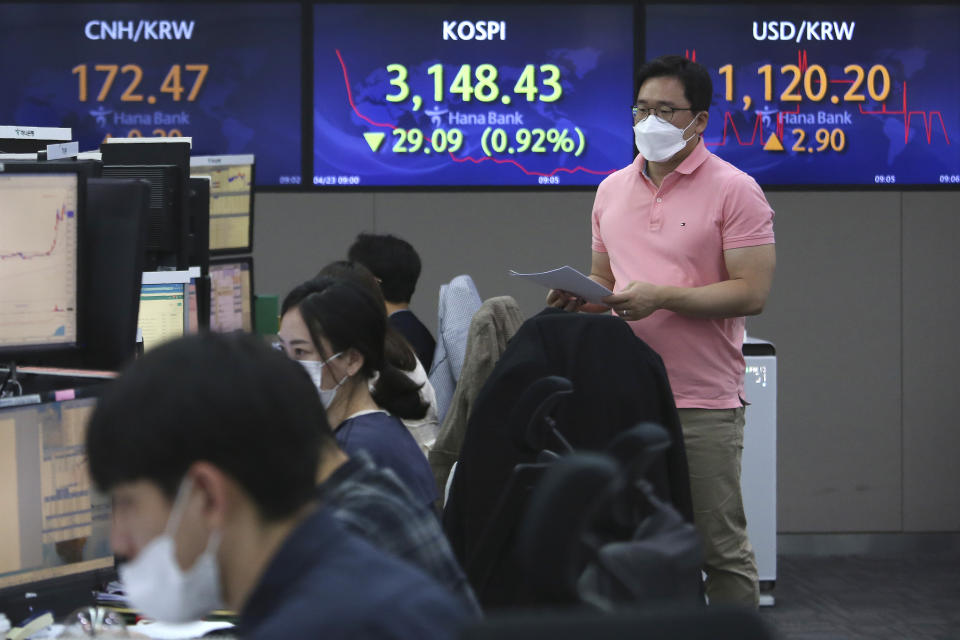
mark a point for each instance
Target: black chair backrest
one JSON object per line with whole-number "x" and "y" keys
{"x": 534, "y": 429}
{"x": 496, "y": 542}
{"x": 532, "y": 416}
{"x": 595, "y": 533}
{"x": 550, "y": 541}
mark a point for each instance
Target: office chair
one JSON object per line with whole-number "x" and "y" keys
{"x": 596, "y": 534}
{"x": 533, "y": 415}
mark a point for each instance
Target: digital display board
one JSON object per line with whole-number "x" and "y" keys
{"x": 226, "y": 74}
{"x": 825, "y": 94}
{"x": 471, "y": 95}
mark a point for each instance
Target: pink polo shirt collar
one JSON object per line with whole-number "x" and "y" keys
{"x": 690, "y": 164}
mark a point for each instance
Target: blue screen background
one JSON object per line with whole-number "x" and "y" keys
{"x": 918, "y": 45}
{"x": 592, "y": 46}
{"x": 248, "y": 103}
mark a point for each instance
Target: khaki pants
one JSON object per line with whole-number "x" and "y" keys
{"x": 714, "y": 443}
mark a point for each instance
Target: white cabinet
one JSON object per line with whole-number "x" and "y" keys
{"x": 758, "y": 477}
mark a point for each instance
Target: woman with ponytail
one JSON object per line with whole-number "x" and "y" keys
{"x": 397, "y": 351}
{"x": 335, "y": 329}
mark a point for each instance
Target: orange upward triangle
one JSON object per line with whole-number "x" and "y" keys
{"x": 773, "y": 143}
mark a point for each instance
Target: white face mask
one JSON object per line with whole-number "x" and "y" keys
{"x": 315, "y": 369}
{"x": 657, "y": 140}
{"x": 155, "y": 584}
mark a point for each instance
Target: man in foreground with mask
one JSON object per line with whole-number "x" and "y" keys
{"x": 209, "y": 448}
{"x": 685, "y": 240}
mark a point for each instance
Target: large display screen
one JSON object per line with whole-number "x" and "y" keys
{"x": 460, "y": 95}
{"x": 225, "y": 74}
{"x": 825, "y": 94}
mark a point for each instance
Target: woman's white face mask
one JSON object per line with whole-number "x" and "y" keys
{"x": 155, "y": 584}
{"x": 315, "y": 369}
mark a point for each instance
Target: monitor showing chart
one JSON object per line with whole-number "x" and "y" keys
{"x": 460, "y": 94}
{"x": 54, "y": 524}
{"x": 823, "y": 95}
{"x": 231, "y": 296}
{"x": 163, "y": 313}
{"x": 38, "y": 260}
{"x": 231, "y": 200}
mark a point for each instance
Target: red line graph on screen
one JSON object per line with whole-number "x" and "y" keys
{"x": 353, "y": 105}
{"x": 62, "y": 213}
{"x": 803, "y": 63}
{"x": 927, "y": 117}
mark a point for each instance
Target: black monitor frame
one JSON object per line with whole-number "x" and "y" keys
{"x": 81, "y": 169}
{"x": 199, "y": 244}
{"x": 139, "y": 158}
{"x": 198, "y": 231}
{"x": 117, "y": 215}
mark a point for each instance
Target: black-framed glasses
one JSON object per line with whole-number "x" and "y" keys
{"x": 664, "y": 113}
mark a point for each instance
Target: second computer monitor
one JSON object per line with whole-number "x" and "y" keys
{"x": 231, "y": 294}
{"x": 54, "y": 525}
{"x": 164, "y": 307}
{"x": 231, "y": 200}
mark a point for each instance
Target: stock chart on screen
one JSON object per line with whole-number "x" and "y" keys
{"x": 471, "y": 95}
{"x": 38, "y": 260}
{"x": 818, "y": 95}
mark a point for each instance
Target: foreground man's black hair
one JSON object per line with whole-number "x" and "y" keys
{"x": 229, "y": 400}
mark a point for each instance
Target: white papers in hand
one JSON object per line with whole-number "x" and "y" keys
{"x": 570, "y": 280}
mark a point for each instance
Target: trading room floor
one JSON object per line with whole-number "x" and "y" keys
{"x": 903, "y": 597}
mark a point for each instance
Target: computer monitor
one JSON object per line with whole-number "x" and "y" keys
{"x": 198, "y": 229}
{"x": 193, "y": 307}
{"x": 165, "y": 164}
{"x": 116, "y": 226}
{"x": 41, "y": 222}
{"x": 231, "y": 294}
{"x": 198, "y": 254}
{"x": 231, "y": 201}
{"x": 164, "y": 307}
{"x": 55, "y": 528}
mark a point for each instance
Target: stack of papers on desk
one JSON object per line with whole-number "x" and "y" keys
{"x": 170, "y": 631}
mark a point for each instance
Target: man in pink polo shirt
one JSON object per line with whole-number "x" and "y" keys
{"x": 685, "y": 240}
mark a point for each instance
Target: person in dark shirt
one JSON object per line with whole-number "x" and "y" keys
{"x": 327, "y": 583}
{"x": 335, "y": 328}
{"x": 396, "y": 265}
{"x": 374, "y": 504}
{"x": 208, "y": 447}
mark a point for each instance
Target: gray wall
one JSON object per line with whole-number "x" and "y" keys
{"x": 864, "y": 298}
